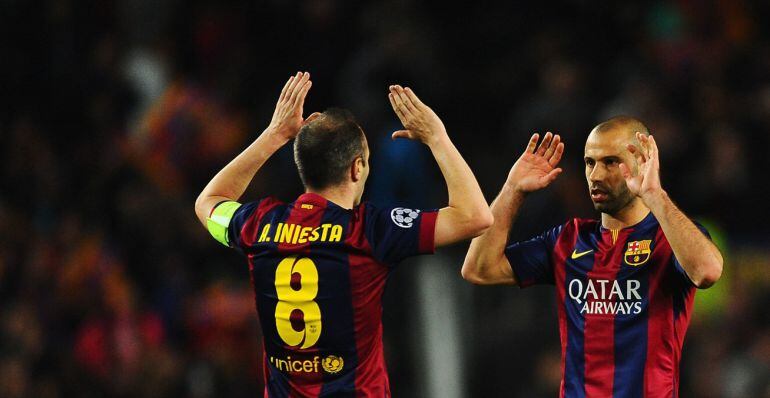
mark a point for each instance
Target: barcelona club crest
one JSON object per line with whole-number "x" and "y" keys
{"x": 638, "y": 252}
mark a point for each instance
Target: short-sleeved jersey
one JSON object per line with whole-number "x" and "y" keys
{"x": 318, "y": 272}
{"x": 624, "y": 304}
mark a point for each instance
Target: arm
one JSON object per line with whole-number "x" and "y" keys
{"x": 486, "y": 262}
{"x": 700, "y": 258}
{"x": 467, "y": 214}
{"x": 233, "y": 179}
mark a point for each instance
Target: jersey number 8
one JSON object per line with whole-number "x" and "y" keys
{"x": 297, "y": 316}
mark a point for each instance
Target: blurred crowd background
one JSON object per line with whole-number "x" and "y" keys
{"x": 114, "y": 114}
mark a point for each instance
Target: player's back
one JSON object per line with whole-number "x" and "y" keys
{"x": 318, "y": 272}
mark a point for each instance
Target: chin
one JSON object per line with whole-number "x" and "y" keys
{"x": 605, "y": 208}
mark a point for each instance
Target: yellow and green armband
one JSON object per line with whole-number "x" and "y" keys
{"x": 219, "y": 220}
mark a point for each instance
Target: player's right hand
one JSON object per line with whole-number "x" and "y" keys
{"x": 420, "y": 122}
{"x": 536, "y": 168}
{"x": 287, "y": 118}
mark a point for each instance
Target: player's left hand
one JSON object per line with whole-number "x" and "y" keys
{"x": 420, "y": 122}
{"x": 646, "y": 181}
{"x": 287, "y": 118}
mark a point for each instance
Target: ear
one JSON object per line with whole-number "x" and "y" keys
{"x": 357, "y": 169}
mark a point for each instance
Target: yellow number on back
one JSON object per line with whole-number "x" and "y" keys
{"x": 290, "y": 300}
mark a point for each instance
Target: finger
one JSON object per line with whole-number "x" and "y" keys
{"x": 396, "y": 108}
{"x": 292, "y": 85}
{"x": 400, "y": 104}
{"x": 294, "y": 81}
{"x": 401, "y": 134}
{"x": 644, "y": 144}
{"x": 407, "y": 103}
{"x": 413, "y": 97}
{"x": 625, "y": 171}
{"x": 532, "y": 144}
{"x": 298, "y": 86}
{"x": 637, "y": 153}
{"x": 299, "y": 102}
{"x": 556, "y": 158}
{"x": 653, "y": 148}
{"x": 544, "y": 144}
{"x": 392, "y": 99}
{"x": 285, "y": 88}
{"x": 302, "y": 90}
{"x": 552, "y": 147}
{"x": 551, "y": 176}
{"x": 403, "y": 100}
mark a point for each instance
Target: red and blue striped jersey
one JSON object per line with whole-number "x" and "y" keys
{"x": 318, "y": 272}
{"x": 624, "y": 304}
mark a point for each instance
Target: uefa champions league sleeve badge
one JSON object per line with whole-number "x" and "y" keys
{"x": 404, "y": 217}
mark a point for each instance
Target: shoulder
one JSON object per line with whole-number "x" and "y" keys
{"x": 253, "y": 212}
{"x": 262, "y": 207}
{"x": 584, "y": 223}
{"x": 577, "y": 225}
{"x": 270, "y": 202}
{"x": 570, "y": 229}
{"x": 581, "y": 226}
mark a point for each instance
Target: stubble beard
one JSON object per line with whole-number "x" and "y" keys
{"x": 616, "y": 201}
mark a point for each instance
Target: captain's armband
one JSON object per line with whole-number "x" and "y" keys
{"x": 219, "y": 220}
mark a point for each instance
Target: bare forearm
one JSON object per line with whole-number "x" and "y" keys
{"x": 467, "y": 214}
{"x": 231, "y": 182}
{"x": 464, "y": 192}
{"x": 699, "y": 257}
{"x": 485, "y": 261}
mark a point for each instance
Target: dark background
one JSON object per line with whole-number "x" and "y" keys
{"x": 115, "y": 114}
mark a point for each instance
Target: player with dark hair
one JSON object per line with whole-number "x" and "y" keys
{"x": 625, "y": 283}
{"x": 319, "y": 264}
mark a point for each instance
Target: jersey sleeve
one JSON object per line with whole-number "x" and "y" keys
{"x": 531, "y": 259}
{"x": 678, "y": 266}
{"x": 395, "y": 233}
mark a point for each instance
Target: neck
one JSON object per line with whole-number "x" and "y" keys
{"x": 343, "y": 196}
{"x": 632, "y": 214}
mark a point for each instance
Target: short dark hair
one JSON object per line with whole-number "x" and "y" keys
{"x": 325, "y": 148}
{"x": 629, "y": 123}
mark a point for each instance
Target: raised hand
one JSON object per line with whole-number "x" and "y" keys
{"x": 287, "y": 118}
{"x": 646, "y": 180}
{"x": 420, "y": 122}
{"x": 536, "y": 168}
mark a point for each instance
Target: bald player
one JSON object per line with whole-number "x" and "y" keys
{"x": 625, "y": 283}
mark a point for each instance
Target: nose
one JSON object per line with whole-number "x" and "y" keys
{"x": 597, "y": 173}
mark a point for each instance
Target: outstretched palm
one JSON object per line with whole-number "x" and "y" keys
{"x": 287, "y": 117}
{"x": 536, "y": 168}
{"x": 647, "y": 179}
{"x": 419, "y": 120}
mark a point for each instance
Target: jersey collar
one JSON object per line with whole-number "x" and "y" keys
{"x": 647, "y": 220}
{"x": 312, "y": 199}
